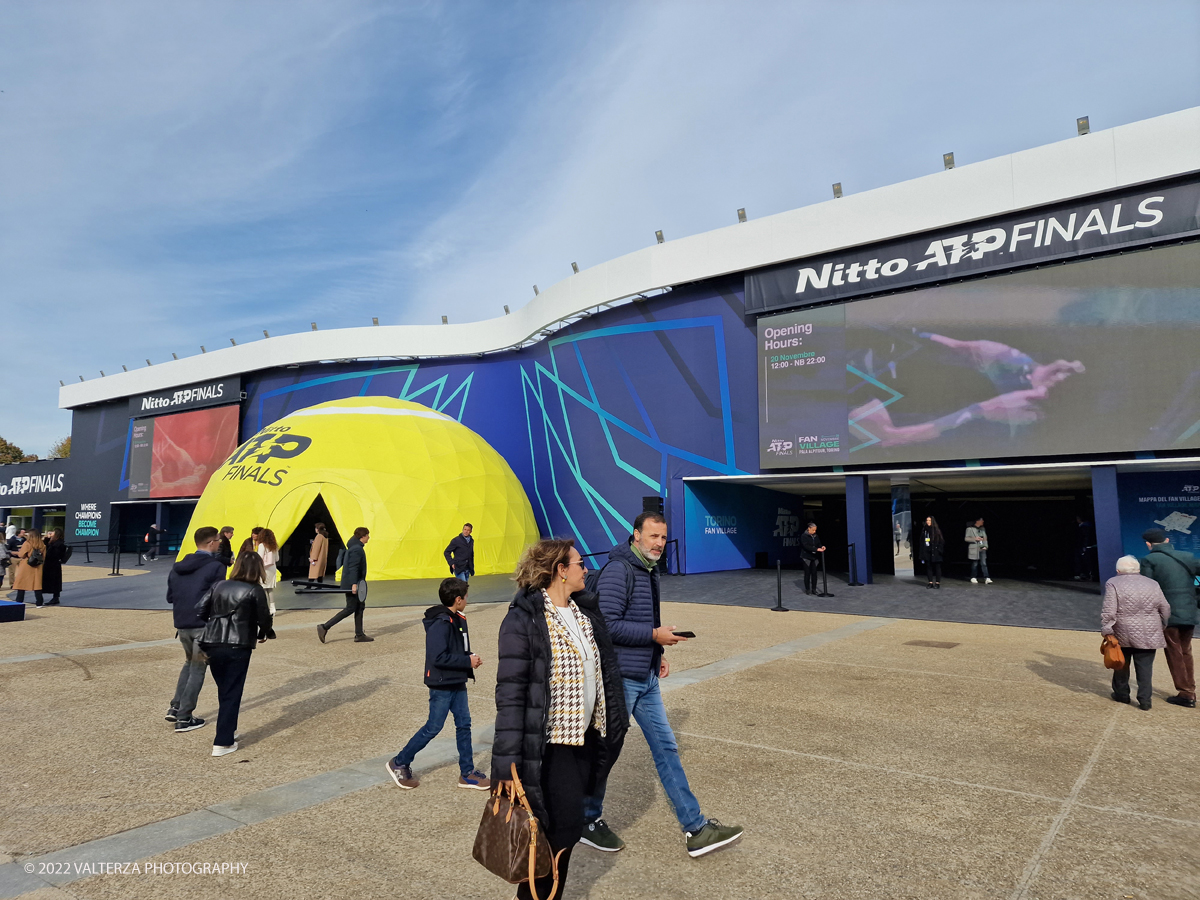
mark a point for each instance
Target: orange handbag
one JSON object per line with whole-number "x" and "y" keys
{"x": 1110, "y": 648}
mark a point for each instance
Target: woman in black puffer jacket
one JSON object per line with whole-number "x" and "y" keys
{"x": 237, "y": 617}
{"x": 563, "y": 738}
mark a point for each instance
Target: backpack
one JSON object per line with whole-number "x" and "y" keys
{"x": 592, "y": 582}
{"x": 35, "y": 558}
{"x": 341, "y": 558}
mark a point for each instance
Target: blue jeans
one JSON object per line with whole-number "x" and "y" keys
{"x": 644, "y": 701}
{"x": 981, "y": 563}
{"x": 441, "y": 702}
{"x": 463, "y": 576}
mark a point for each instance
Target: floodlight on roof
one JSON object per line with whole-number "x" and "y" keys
{"x": 948, "y": 160}
{"x": 266, "y": 334}
{"x": 575, "y": 268}
{"x": 742, "y": 215}
{"x": 1082, "y": 125}
{"x": 374, "y": 320}
{"x": 445, "y": 320}
{"x": 506, "y": 309}
{"x": 173, "y": 356}
{"x": 837, "y": 190}
{"x": 202, "y": 350}
{"x": 123, "y": 369}
{"x": 60, "y": 383}
{"x": 101, "y": 373}
{"x": 658, "y": 236}
{"x": 314, "y": 325}
{"x": 233, "y": 342}
{"x": 149, "y": 363}
{"x": 81, "y": 378}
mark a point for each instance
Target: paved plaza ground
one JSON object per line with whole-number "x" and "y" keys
{"x": 867, "y": 757}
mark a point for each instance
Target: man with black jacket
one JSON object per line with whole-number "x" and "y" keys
{"x": 460, "y": 555}
{"x": 810, "y": 548}
{"x": 629, "y": 600}
{"x": 354, "y": 583}
{"x": 448, "y": 664}
{"x": 187, "y": 584}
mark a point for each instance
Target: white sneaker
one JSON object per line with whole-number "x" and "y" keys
{"x": 987, "y": 581}
{"x": 974, "y": 581}
{"x": 218, "y": 750}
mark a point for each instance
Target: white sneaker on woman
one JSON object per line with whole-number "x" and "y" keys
{"x": 218, "y": 750}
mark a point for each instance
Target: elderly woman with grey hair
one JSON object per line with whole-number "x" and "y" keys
{"x": 1135, "y": 610}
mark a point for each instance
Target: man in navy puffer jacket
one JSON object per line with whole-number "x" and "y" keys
{"x": 629, "y": 600}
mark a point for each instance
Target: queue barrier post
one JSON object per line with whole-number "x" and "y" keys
{"x": 825, "y": 577}
{"x": 854, "y": 582}
{"x": 779, "y": 607}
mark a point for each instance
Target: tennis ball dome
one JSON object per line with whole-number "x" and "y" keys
{"x": 410, "y": 474}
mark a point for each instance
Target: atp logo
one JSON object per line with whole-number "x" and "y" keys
{"x": 266, "y": 446}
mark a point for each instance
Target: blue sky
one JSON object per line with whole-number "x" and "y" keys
{"x": 180, "y": 174}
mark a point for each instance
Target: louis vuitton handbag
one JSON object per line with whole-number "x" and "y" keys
{"x": 510, "y": 843}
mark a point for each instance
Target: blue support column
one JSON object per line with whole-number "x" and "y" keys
{"x": 1107, "y": 512}
{"x": 38, "y": 518}
{"x": 858, "y": 526}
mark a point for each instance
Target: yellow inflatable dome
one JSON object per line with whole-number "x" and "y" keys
{"x": 411, "y": 475}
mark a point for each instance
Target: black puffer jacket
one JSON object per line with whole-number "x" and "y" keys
{"x": 235, "y": 615}
{"x": 523, "y": 693}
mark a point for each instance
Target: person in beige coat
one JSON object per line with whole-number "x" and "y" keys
{"x": 318, "y": 554}
{"x": 27, "y": 577}
{"x": 1135, "y": 610}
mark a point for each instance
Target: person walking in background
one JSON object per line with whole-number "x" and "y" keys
{"x": 30, "y": 558}
{"x": 1134, "y": 612}
{"x": 449, "y": 662}
{"x": 1175, "y": 571}
{"x": 16, "y": 537}
{"x": 354, "y": 582}
{"x": 811, "y": 549}
{"x": 268, "y": 552}
{"x": 460, "y": 554}
{"x": 560, "y": 708}
{"x": 150, "y": 543}
{"x": 187, "y": 584}
{"x": 250, "y": 544}
{"x": 977, "y": 548}
{"x": 629, "y": 599}
{"x": 57, "y": 553}
{"x": 318, "y": 554}
{"x": 236, "y": 617}
{"x": 225, "y": 550}
{"x": 932, "y": 549}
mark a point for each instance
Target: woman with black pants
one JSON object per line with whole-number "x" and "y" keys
{"x": 554, "y": 650}
{"x": 932, "y": 548}
{"x": 52, "y": 568}
{"x": 237, "y": 616}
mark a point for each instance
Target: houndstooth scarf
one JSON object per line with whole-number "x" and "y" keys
{"x": 565, "y": 722}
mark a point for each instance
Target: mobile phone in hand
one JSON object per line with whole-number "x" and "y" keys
{"x": 684, "y": 634}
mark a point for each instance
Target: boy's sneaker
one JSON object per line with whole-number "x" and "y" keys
{"x": 713, "y": 836}
{"x": 402, "y": 775}
{"x": 191, "y": 723}
{"x": 172, "y": 714}
{"x": 475, "y": 781}
{"x": 600, "y": 837}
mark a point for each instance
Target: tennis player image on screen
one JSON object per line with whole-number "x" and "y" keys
{"x": 175, "y": 455}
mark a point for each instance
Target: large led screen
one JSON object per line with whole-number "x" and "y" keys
{"x": 173, "y": 456}
{"x": 1088, "y": 357}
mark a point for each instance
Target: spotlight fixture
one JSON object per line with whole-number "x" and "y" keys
{"x": 149, "y": 363}
{"x": 1082, "y": 125}
{"x": 173, "y": 356}
{"x": 81, "y": 378}
{"x": 374, "y": 320}
{"x": 506, "y": 309}
{"x": 948, "y": 160}
{"x": 266, "y": 334}
{"x": 123, "y": 369}
{"x": 233, "y": 342}
{"x": 535, "y": 290}
{"x": 742, "y": 215}
{"x": 202, "y": 350}
{"x": 837, "y": 191}
{"x": 658, "y": 236}
{"x": 575, "y": 268}
{"x": 445, "y": 320}
{"x": 60, "y": 383}
{"x": 314, "y": 325}
{"x": 101, "y": 373}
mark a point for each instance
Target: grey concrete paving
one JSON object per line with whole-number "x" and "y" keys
{"x": 1022, "y": 603}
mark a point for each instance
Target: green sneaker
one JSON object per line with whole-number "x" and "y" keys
{"x": 599, "y": 836}
{"x": 713, "y": 836}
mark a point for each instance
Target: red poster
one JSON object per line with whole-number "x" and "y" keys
{"x": 188, "y": 448}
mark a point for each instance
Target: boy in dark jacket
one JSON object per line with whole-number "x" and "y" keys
{"x": 187, "y": 584}
{"x": 448, "y": 664}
